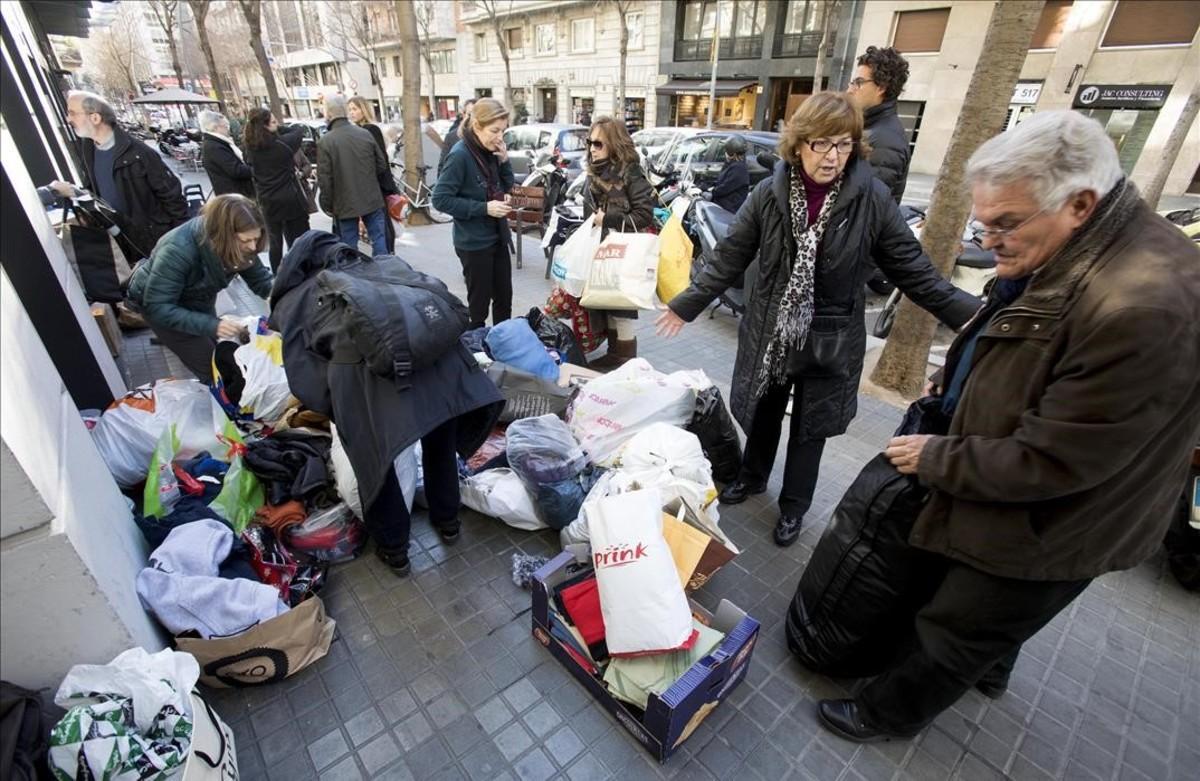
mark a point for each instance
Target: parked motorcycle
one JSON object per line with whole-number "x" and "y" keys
{"x": 178, "y": 142}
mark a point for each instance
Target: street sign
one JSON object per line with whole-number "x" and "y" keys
{"x": 1135, "y": 96}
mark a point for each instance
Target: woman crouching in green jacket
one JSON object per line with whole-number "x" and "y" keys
{"x": 176, "y": 288}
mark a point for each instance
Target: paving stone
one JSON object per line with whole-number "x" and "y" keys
{"x": 279, "y": 744}
{"x": 446, "y": 709}
{"x": 396, "y": 706}
{"x": 542, "y": 719}
{"x": 513, "y": 741}
{"x": 463, "y": 735}
{"x": 588, "y": 768}
{"x": 493, "y": 715}
{"x": 534, "y": 766}
{"x": 413, "y": 731}
{"x": 325, "y": 750}
{"x": 428, "y": 758}
{"x": 564, "y": 746}
{"x": 522, "y": 695}
{"x": 379, "y": 753}
{"x": 484, "y": 762}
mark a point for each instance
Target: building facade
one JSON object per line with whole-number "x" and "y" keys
{"x": 1129, "y": 63}
{"x": 438, "y": 26}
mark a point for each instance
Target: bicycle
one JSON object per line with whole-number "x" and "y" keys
{"x": 420, "y": 197}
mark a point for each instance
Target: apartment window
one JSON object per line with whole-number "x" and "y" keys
{"x": 636, "y": 25}
{"x": 1050, "y": 27}
{"x": 910, "y": 113}
{"x": 920, "y": 31}
{"x": 396, "y": 64}
{"x": 329, "y": 73}
{"x": 583, "y": 35}
{"x": 383, "y": 68}
{"x": 1152, "y": 23}
{"x": 800, "y": 17}
{"x": 743, "y": 18}
{"x": 480, "y": 47}
{"x": 544, "y": 36}
{"x": 443, "y": 61}
{"x": 514, "y": 39}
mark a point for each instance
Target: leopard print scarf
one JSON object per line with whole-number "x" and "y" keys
{"x": 796, "y": 306}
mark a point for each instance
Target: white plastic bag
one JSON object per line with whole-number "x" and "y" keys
{"x": 573, "y": 260}
{"x": 198, "y": 418}
{"x": 672, "y": 460}
{"x": 266, "y": 393}
{"x": 624, "y": 273}
{"x": 609, "y": 410}
{"x": 347, "y": 483}
{"x": 151, "y": 681}
{"x": 125, "y": 436}
{"x": 643, "y": 603}
{"x": 501, "y": 494}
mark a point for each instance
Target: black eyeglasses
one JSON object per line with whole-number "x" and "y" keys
{"x": 594, "y": 144}
{"x": 857, "y": 83}
{"x": 822, "y": 146}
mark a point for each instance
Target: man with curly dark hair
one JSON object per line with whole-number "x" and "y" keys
{"x": 877, "y": 82}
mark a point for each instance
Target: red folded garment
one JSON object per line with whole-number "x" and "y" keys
{"x": 582, "y": 602}
{"x": 686, "y": 646}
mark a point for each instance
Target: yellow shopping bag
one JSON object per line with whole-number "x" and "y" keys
{"x": 674, "y": 259}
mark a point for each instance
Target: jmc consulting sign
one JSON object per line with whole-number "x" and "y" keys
{"x": 1135, "y": 96}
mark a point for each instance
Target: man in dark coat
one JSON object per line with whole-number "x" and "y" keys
{"x": 1075, "y": 403}
{"x": 222, "y": 158}
{"x": 864, "y": 226}
{"x": 733, "y": 183}
{"x": 450, "y": 406}
{"x": 349, "y": 168}
{"x": 453, "y": 135}
{"x": 130, "y": 176}
{"x": 877, "y": 83}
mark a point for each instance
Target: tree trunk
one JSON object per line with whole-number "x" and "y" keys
{"x": 410, "y": 105}
{"x": 200, "y": 14}
{"x": 902, "y": 366}
{"x": 432, "y": 86}
{"x": 1153, "y": 190}
{"x": 508, "y": 93}
{"x": 823, "y": 47}
{"x": 621, "y": 10}
{"x": 252, "y": 10}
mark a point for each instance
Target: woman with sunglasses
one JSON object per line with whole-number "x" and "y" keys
{"x": 817, "y": 226}
{"x": 617, "y": 197}
{"x": 471, "y": 188}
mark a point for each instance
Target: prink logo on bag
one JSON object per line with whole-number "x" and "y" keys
{"x": 619, "y": 555}
{"x": 610, "y": 252}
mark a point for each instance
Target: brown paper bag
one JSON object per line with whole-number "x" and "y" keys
{"x": 697, "y": 555}
{"x": 267, "y": 653}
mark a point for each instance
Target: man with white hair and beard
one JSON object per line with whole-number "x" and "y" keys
{"x": 1073, "y": 400}
{"x": 130, "y": 176}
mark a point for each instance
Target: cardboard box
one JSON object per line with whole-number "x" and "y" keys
{"x": 672, "y": 717}
{"x": 106, "y": 319}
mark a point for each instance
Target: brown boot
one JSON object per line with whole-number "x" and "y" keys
{"x": 619, "y": 351}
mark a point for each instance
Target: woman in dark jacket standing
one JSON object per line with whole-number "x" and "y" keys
{"x": 816, "y": 226}
{"x": 272, "y": 159}
{"x": 617, "y": 197}
{"x": 223, "y": 161}
{"x": 471, "y": 188}
{"x": 359, "y": 111}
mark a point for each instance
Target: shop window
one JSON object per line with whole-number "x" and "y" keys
{"x": 910, "y": 113}
{"x": 1050, "y": 27}
{"x": 1152, "y": 23}
{"x": 1128, "y": 129}
{"x": 920, "y": 31}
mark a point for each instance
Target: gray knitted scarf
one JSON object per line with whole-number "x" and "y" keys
{"x": 796, "y": 306}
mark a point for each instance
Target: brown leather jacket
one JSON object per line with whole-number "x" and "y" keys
{"x": 1072, "y": 436}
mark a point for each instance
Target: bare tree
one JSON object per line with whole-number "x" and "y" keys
{"x": 252, "y": 10}
{"x": 828, "y": 12}
{"x": 1153, "y": 190}
{"x": 228, "y": 40}
{"x": 352, "y": 33}
{"x": 200, "y": 14}
{"x": 492, "y": 9}
{"x": 902, "y": 366}
{"x": 118, "y": 60}
{"x": 166, "y": 13}
{"x": 410, "y": 106}
{"x": 427, "y": 22}
{"x": 623, "y": 8}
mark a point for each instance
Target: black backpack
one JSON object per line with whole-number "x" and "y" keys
{"x": 382, "y": 312}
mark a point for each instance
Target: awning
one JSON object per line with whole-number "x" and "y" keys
{"x": 725, "y": 87}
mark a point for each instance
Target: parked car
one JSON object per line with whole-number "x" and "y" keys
{"x": 527, "y": 142}
{"x": 699, "y": 158}
{"x": 652, "y": 142}
{"x": 313, "y": 130}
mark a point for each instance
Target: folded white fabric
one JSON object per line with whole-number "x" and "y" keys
{"x": 182, "y": 588}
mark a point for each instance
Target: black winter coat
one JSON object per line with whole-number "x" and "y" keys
{"x": 349, "y": 167}
{"x": 154, "y": 202}
{"x": 375, "y": 420}
{"x": 864, "y": 226}
{"x": 387, "y": 182}
{"x": 227, "y": 172}
{"x": 889, "y": 146}
{"x": 732, "y": 186}
{"x": 628, "y": 205}
{"x": 452, "y": 137}
{"x": 274, "y": 170}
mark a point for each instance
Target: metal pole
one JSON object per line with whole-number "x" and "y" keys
{"x": 716, "y": 58}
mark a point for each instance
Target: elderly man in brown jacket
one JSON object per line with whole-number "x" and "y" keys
{"x": 1075, "y": 401}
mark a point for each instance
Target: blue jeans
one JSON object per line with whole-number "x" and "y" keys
{"x": 376, "y": 229}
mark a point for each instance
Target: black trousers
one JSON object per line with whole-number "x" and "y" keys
{"x": 388, "y": 518}
{"x": 195, "y": 352}
{"x": 803, "y": 455}
{"x": 489, "y": 283}
{"x": 277, "y": 231}
{"x": 971, "y": 629}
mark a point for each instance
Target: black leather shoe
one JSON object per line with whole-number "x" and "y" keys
{"x": 396, "y": 560}
{"x": 787, "y": 529}
{"x": 993, "y": 690}
{"x": 450, "y": 536}
{"x": 841, "y": 717}
{"x": 737, "y": 492}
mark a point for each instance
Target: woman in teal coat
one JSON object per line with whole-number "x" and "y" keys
{"x": 176, "y": 288}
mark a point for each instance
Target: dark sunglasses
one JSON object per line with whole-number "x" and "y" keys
{"x": 595, "y": 144}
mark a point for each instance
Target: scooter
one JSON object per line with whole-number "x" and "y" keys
{"x": 178, "y": 143}
{"x": 973, "y": 269}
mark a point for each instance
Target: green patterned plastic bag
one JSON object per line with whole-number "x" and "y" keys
{"x": 241, "y": 493}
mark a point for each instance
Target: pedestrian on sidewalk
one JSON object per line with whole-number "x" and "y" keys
{"x": 223, "y": 161}
{"x": 454, "y": 134}
{"x": 617, "y": 197}
{"x": 128, "y": 175}
{"x": 815, "y": 225}
{"x": 272, "y": 156}
{"x": 877, "y": 83}
{"x": 176, "y": 289}
{"x": 360, "y": 113}
{"x": 1075, "y": 404}
{"x": 472, "y": 188}
{"x": 349, "y": 167}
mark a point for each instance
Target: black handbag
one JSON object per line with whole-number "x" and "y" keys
{"x": 89, "y": 238}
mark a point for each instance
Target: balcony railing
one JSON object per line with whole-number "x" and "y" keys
{"x": 801, "y": 44}
{"x": 731, "y": 49}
